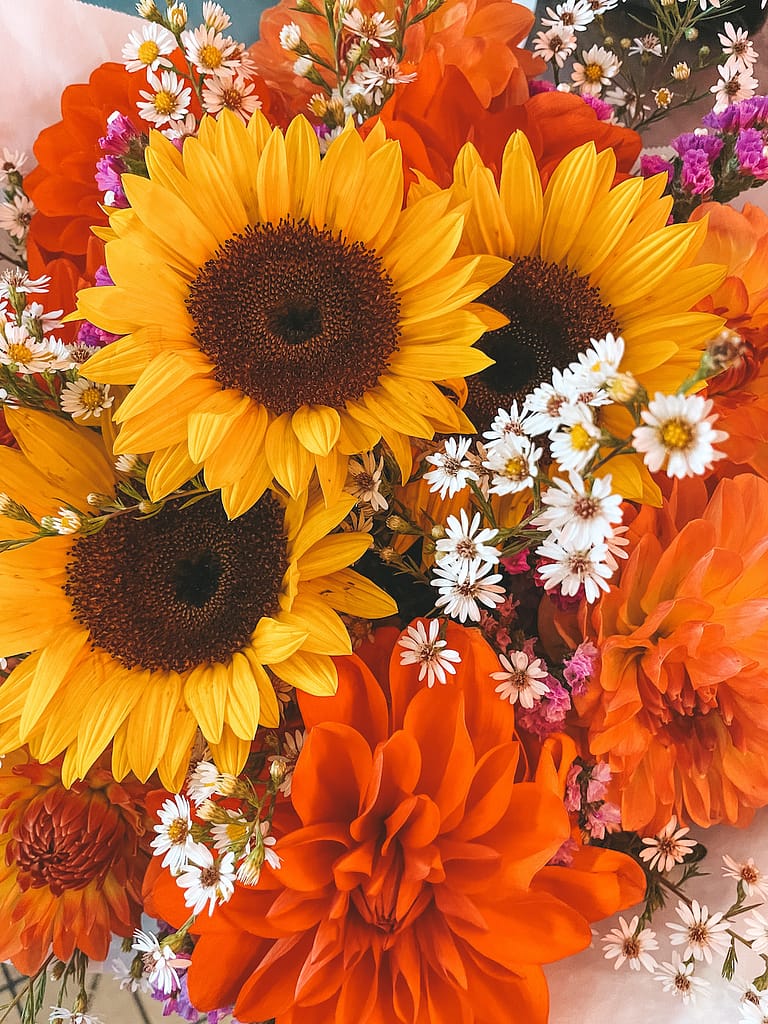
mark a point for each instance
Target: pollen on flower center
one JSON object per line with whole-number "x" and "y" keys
{"x": 676, "y": 433}
{"x": 209, "y": 877}
{"x": 593, "y": 72}
{"x": 179, "y": 589}
{"x": 293, "y": 315}
{"x": 210, "y": 56}
{"x": 92, "y": 398}
{"x": 516, "y": 468}
{"x": 553, "y": 312}
{"x": 164, "y": 102}
{"x": 586, "y": 508}
{"x": 178, "y": 830}
{"x": 631, "y": 948}
{"x": 580, "y": 439}
{"x": 682, "y": 983}
{"x": 18, "y": 353}
{"x": 148, "y": 51}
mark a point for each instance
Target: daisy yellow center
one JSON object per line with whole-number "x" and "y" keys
{"x": 663, "y": 97}
{"x": 553, "y": 312}
{"x": 165, "y": 102}
{"x": 210, "y": 56}
{"x": 593, "y": 72}
{"x": 581, "y": 440}
{"x": 91, "y": 398}
{"x": 178, "y": 831}
{"x": 292, "y": 315}
{"x": 19, "y": 352}
{"x": 182, "y": 588}
{"x": 516, "y": 468}
{"x": 676, "y": 433}
{"x": 148, "y": 51}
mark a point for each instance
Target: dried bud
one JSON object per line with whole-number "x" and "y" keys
{"x": 177, "y": 17}
{"x": 681, "y": 71}
{"x": 318, "y": 105}
{"x": 691, "y": 33}
{"x": 277, "y": 770}
{"x": 388, "y": 555}
{"x": 397, "y": 524}
{"x": 704, "y": 52}
{"x": 723, "y": 351}
{"x": 625, "y": 43}
{"x": 623, "y": 388}
{"x": 437, "y": 532}
{"x": 96, "y": 500}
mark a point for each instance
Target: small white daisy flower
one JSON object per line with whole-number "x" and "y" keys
{"x": 207, "y": 880}
{"x": 15, "y": 216}
{"x": 35, "y": 314}
{"x": 85, "y": 399}
{"x": 20, "y": 351}
{"x": 11, "y": 162}
{"x": 506, "y": 423}
{"x": 373, "y": 29}
{"x": 16, "y": 280}
{"x": 703, "y": 934}
{"x": 426, "y": 650}
{"x": 148, "y": 49}
{"x": 464, "y": 541}
{"x": 650, "y": 44}
{"x": 678, "y": 977}
{"x": 579, "y": 516}
{"x": 210, "y": 51}
{"x": 174, "y": 842}
{"x": 577, "y": 439}
{"x": 464, "y": 587}
{"x": 556, "y": 44}
{"x": 546, "y": 401}
{"x": 733, "y": 85}
{"x": 215, "y": 17}
{"x": 570, "y": 14}
{"x": 233, "y": 834}
{"x": 668, "y": 847}
{"x": 230, "y": 90}
{"x": 513, "y": 464}
{"x": 71, "y": 1016}
{"x": 600, "y": 363}
{"x": 597, "y": 68}
{"x": 571, "y": 568}
{"x": 521, "y": 679}
{"x": 678, "y": 435}
{"x": 290, "y": 37}
{"x": 202, "y": 782}
{"x": 160, "y": 962}
{"x": 452, "y": 470}
{"x": 737, "y": 47}
{"x": 169, "y": 100}
{"x": 365, "y": 484}
{"x": 756, "y": 931}
{"x": 754, "y": 882}
{"x": 378, "y": 78}
{"x": 626, "y": 944}
{"x": 67, "y": 522}
{"x": 121, "y": 972}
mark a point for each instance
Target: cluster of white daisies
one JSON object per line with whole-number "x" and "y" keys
{"x": 578, "y": 513}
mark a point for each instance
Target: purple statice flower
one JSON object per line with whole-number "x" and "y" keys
{"x": 572, "y": 799}
{"x": 94, "y": 337}
{"x": 603, "y": 110}
{"x": 696, "y": 174}
{"x": 108, "y": 172}
{"x": 102, "y": 277}
{"x": 564, "y": 856}
{"x": 605, "y": 818}
{"x": 121, "y": 132}
{"x": 548, "y": 715}
{"x": 652, "y": 163}
{"x": 178, "y": 1002}
{"x": 710, "y": 145}
{"x": 749, "y": 113}
{"x": 599, "y": 777}
{"x": 540, "y": 85}
{"x": 751, "y": 153}
{"x": 580, "y": 667}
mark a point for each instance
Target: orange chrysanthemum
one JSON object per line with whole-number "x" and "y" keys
{"x": 740, "y": 240}
{"x": 70, "y": 863}
{"x": 481, "y": 37}
{"x": 434, "y": 116}
{"x": 406, "y": 889}
{"x": 680, "y": 707}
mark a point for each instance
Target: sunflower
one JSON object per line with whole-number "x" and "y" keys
{"x": 152, "y": 626}
{"x": 586, "y": 259}
{"x": 288, "y": 311}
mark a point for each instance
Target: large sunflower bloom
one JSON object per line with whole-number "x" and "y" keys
{"x": 586, "y": 259}
{"x": 406, "y": 887}
{"x": 680, "y": 707}
{"x": 151, "y": 627}
{"x": 286, "y": 309}
{"x": 70, "y": 863}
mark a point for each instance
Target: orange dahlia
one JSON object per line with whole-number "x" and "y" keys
{"x": 740, "y": 393}
{"x": 405, "y": 892}
{"x": 70, "y": 863}
{"x": 680, "y": 706}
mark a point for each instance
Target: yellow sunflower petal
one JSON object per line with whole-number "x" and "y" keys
{"x": 270, "y": 708}
{"x": 332, "y": 553}
{"x": 168, "y": 469}
{"x": 326, "y": 633}
{"x": 313, "y": 673}
{"x": 344, "y": 160}
{"x": 521, "y": 194}
{"x": 331, "y": 472}
{"x": 317, "y": 427}
{"x": 150, "y": 722}
{"x": 567, "y": 201}
{"x": 51, "y": 669}
{"x": 239, "y": 447}
{"x": 288, "y": 459}
{"x": 275, "y": 640}
{"x": 123, "y": 361}
{"x": 303, "y": 163}
{"x": 172, "y": 768}
{"x": 223, "y": 211}
{"x": 349, "y": 592}
{"x": 205, "y": 691}
{"x": 167, "y": 216}
{"x": 318, "y": 522}
{"x": 209, "y": 426}
{"x": 231, "y": 752}
{"x": 243, "y": 699}
{"x": 117, "y": 695}
{"x": 272, "y": 186}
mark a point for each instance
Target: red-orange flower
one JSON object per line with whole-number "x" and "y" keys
{"x": 740, "y": 241}
{"x": 405, "y": 892}
{"x": 680, "y": 708}
{"x": 70, "y": 863}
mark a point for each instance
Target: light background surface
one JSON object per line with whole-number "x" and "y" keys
{"x": 47, "y": 44}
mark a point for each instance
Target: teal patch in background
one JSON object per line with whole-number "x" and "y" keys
{"x": 245, "y": 14}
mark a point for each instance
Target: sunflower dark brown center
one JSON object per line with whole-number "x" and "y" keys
{"x": 183, "y": 588}
{"x": 553, "y": 312}
{"x": 292, "y": 315}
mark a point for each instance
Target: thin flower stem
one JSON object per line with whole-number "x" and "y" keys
{"x": 7, "y": 1007}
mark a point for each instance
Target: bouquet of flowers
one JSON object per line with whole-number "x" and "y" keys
{"x": 383, "y": 576}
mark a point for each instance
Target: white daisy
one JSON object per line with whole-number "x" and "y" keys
{"x": 466, "y": 542}
{"x": 626, "y": 944}
{"x": 11, "y": 162}
{"x": 521, "y": 679}
{"x": 233, "y": 834}
{"x": 160, "y": 962}
{"x": 754, "y": 1013}
{"x": 20, "y": 351}
{"x": 600, "y": 363}
{"x": 60, "y": 356}
{"x": 373, "y": 29}
{"x": 85, "y": 399}
{"x": 733, "y": 85}
{"x": 678, "y": 435}
{"x": 678, "y": 977}
{"x": 703, "y": 934}
{"x": 668, "y": 847}
{"x": 202, "y": 781}
{"x": 547, "y": 400}
{"x": 556, "y": 44}
{"x": 207, "y": 880}
{"x": 452, "y": 470}
{"x": 513, "y": 464}
{"x": 122, "y": 972}
{"x": 737, "y": 48}
{"x": 35, "y": 316}
{"x": 290, "y": 37}
{"x": 215, "y": 17}
{"x": 168, "y": 102}
{"x": 71, "y": 1016}
{"x": 210, "y": 51}
{"x": 753, "y": 881}
{"x": 506, "y": 423}
{"x": 426, "y": 650}
{"x": 597, "y": 68}
{"x": 580, "y": 517}
{"x": 15, "y": 216}
{"x": 756, "y": 931}
{"x": 293, "y": 744}
{"x": 67, "y": 522}
{"x": 577, "y": 438}
{"x": 464, "y": 587}
{"x": 378, "y": 78}
{"x": 174, "y": 842}
{"x": 646, "y": 44}
{"x": 148, "y": 49}
{"x": 366, "y": 480}
{"x": 230, "y": 90}
{"x": 268, "y": 842}
{"x": 572, "y": 568}
{"x": 570, "y": 14}
{"x": 16, "y": 280}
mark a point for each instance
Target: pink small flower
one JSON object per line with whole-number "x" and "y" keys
{"x": 607, "y": 818}
{"x": 599, "y": 778}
